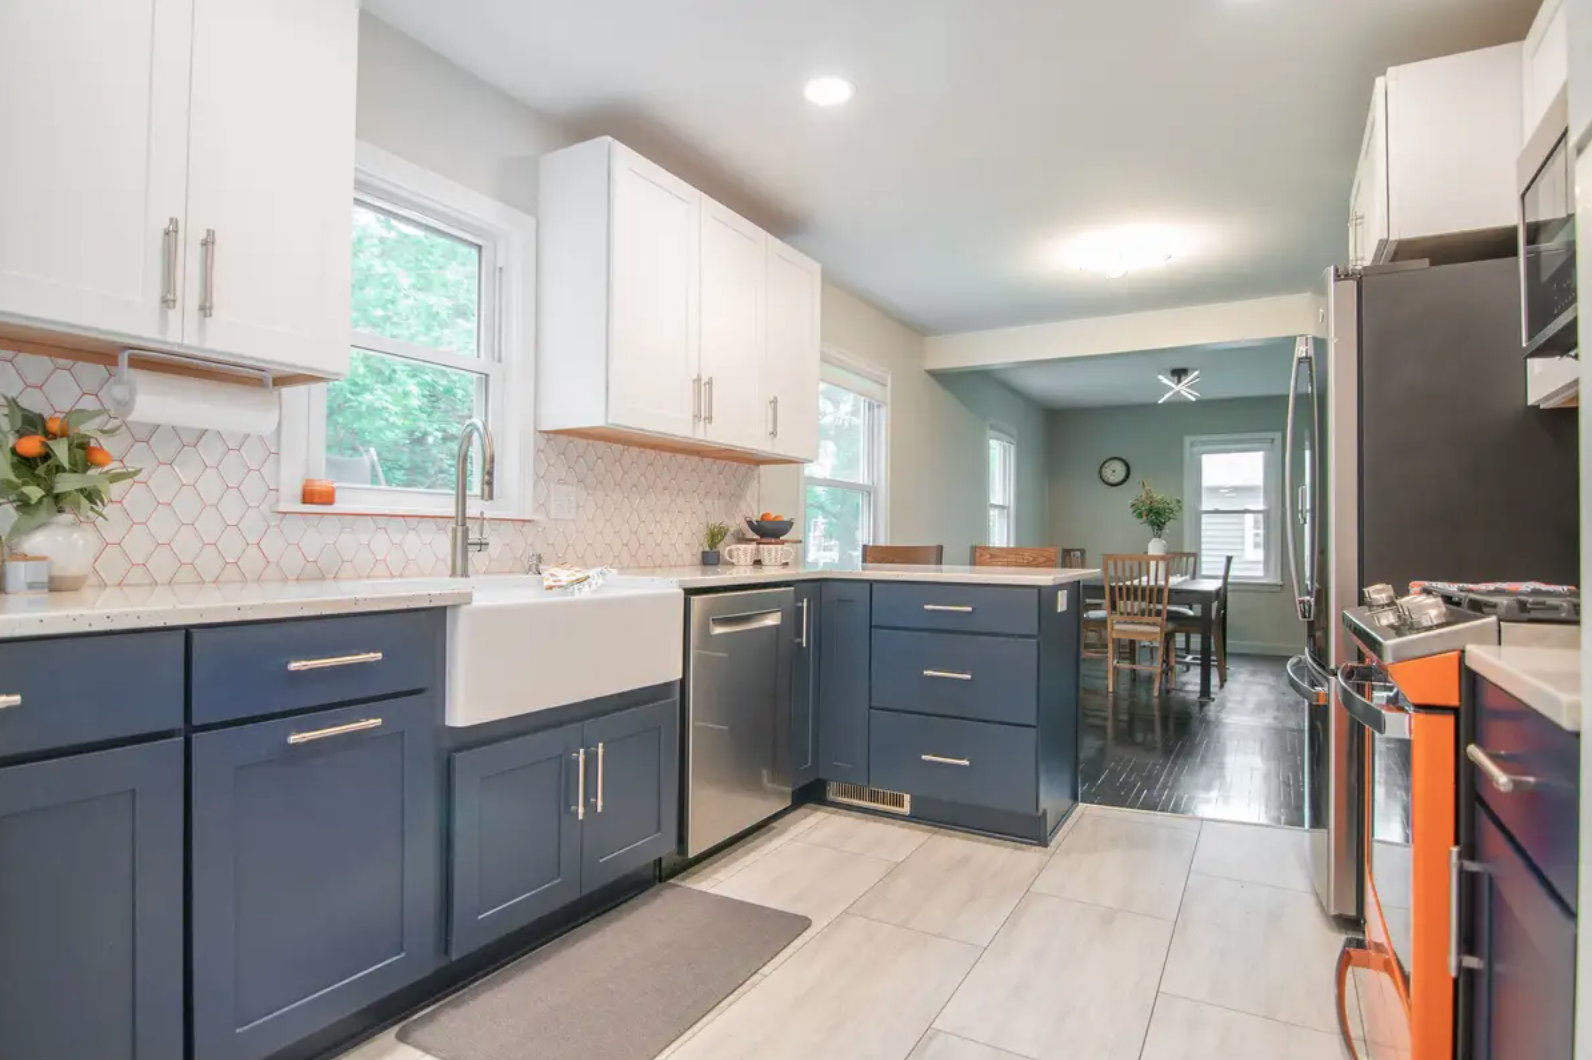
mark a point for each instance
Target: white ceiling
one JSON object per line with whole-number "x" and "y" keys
{"x": 985, "y": 132}
{"x": 1255, "y": 370}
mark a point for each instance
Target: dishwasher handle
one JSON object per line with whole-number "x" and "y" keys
{"x": 719, "y": 625}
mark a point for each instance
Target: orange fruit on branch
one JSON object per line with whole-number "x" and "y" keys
{"x": 56, "y": 427}
{"x": 30, "y": 446}
{"x": 97, "y": 456}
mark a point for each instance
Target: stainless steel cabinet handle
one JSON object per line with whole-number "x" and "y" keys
{"x": 943, "y": 761}
{"x": 960, "y": 608}
{"x": 599, "y": 777}
{"x": 1501, "y": 779}
{"x": 707, "y": 400}
{"x": 294, "y": 739}
{"x": 1459, "y": 961}
{"x": 803, "y": 605}
{"x": 950, "y": 675}
{"x": 696, "y": 399}
{"x": 168, "y": 279}
{"x": 580, "y": 784}
{"x": 207, "y": 292}
{"x": 331, "y": 663}
{"x": 12, "y": 700}
{"x": 773, "y": 405}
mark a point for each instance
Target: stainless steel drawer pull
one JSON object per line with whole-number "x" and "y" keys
{"x": 12, "y": 700}
{"x": 964, "y": 609}
{"x": 943, "y": 761}
{"x": 599, "y": 777}
{"x": 949, "y": 675}
{"x": 207, "y": 291}
{"x": 335, "y": 730}
{"x": 580, "y": 784}
{"x": 1504, "y": 781}
{"x": 168, "y": 278}
{"x": 300, "y": 665}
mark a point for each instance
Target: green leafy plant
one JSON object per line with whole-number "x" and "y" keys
{"x": 56, "y": 464}
{"x": 713, "y": 536}
{"x": 1155, "y": 510}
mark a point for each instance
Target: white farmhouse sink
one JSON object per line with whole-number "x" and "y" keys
{"x": 518, "y": 648}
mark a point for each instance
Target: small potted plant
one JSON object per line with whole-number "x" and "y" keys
{"x": 1156, "y": 511}
{"x": 56, "y": 475}
{"x": 712, "y": 537}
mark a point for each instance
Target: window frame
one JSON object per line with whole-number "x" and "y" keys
{"x": 1269, "y": 442}
{"x": 999, "y": 434}
{"x": 506, "y": 336}
{"x": 839, "y": 369}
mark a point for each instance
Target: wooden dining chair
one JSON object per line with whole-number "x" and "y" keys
{"x": 914, "y": 555}
{"x": 1183, "y": 565}
{"x": 992, "y": 556}
{"x": 1189, "y": 624}
{"x": 1074, "y": 557}
{"x": 1137, "y": 591}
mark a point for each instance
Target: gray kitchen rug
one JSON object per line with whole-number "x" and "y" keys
{"x": 621, "y": 987}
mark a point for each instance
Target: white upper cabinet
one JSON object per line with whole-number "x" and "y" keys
{"x": 146, "y": 125}
{"x": 93, "y": 125}
{"x": 1439, "y": 152}
{"x": 661, "y": 314}
{"x": 791, "y": 356}
{"x": 271, "y": 181}
{"x": 1544, "y": 65}
{"x": 734, "y": 282}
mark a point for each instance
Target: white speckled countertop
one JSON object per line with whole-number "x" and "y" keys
{"x": 1546, "y": 679}
{"x": 727, "y": 576}
{"x": 101, "y": 610}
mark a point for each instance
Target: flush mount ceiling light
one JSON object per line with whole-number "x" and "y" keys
{"x": 1182, "y": 382}
{"x": 1115, "y": 252}
{"x": 829, "y": 91}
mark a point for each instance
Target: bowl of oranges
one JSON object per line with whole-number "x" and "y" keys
{"x": 770, "y": 527}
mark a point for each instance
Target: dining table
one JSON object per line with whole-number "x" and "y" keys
{"x": 1200, "y": 595}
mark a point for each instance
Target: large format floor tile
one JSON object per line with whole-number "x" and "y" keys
{"x": 1262, "y": 950}
{"x": 960, "y": 887}
{"x": 717, "y": 1011}
{"x": 937, "y": 1045}
{"x": 1188, "y": 1030}
{"x": 1182, "y": 822}
{"x": 861, "y": 990}
{"x": 1063, "y": 980}
{"x": 1255, "y": 854}
{"x": 876, "y": 837}
{"x": 1124, "y": 864}
{"x": 728, "y": 862}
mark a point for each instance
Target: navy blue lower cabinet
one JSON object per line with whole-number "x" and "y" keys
{"x": 91, "y": 917}
{"x": 971, "y": 763}
{"x": 516, "y": 835}
{"x": 803, "y": 736}
{"x": 315, "y": 871}
{"x": 632, "y": 791}
{"x": 844, "y": 650}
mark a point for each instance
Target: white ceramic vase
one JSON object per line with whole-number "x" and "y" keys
{"x": 1157, "y": 546}
{"x": 68, "y": 545}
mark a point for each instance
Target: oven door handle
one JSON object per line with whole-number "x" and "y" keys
{"x": 1391, "y": 722}
{"x": 1310, "y": 684}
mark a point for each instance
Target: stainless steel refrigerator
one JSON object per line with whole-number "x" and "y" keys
{"x": 1411, "y": 454}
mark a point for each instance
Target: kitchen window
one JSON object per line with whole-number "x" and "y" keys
{"x": 1002, "y": 486}
{"x": 1231, "y": 500}
{"x": 845, "y": 485}
{"x": 441, "y": 296}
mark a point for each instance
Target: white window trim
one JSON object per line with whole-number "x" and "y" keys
{"x": 1196, "y": 444}
{"x": 508, "y": 302}
{"x": 878, "y": 493}
{"x": 996, "y": 432}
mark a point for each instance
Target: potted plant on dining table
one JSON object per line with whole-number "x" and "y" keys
{"x": 1156, "y": 511}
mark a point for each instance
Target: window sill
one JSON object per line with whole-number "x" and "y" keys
{"x": 378, "y": 512}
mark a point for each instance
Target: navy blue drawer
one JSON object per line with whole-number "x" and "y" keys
{"x": 973, "y": 763}
{"x": 1542, "y": 816}
{"x": 981, "y": 678}
{"x": 957, "y": 608}
{"x": 253, "y": 670}
{"x": 79, "y": 690}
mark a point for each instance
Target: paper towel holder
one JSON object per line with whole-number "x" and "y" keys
{"x": 122, "y": 389}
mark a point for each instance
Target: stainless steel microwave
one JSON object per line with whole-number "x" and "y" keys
{"x": 1547, "y": 236}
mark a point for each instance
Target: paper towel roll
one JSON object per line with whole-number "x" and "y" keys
{"x": 181, "y": 401}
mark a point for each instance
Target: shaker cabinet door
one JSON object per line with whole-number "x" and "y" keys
{"x": 791, "y": 353}
{"x": 734, "y": 283}
{"x": 802, "y": 739}
{"x": 843, "y": 682}
{"x": 632, "y": 791}
{"x": 94, "y": 127}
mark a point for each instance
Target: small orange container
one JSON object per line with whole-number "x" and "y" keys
{"x": 319, "y": 491}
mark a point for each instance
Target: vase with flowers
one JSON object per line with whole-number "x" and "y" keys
{"x": 1156, "y": 511}
{"x": 56, "y": 474}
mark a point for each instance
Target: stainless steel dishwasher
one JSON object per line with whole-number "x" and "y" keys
{"x": 737, "y": 693}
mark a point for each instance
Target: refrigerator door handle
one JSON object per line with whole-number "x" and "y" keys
{"x": 1305, "y": 605}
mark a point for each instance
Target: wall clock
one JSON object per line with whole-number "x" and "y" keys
{"x": 1114, "y": 471}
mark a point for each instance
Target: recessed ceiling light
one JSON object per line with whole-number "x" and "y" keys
{"x": 1115, "y": 252}
{"x": 829, "y": 91}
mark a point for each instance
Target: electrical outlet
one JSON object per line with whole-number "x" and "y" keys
{"x": 565, "y": 501}
{"x": 1061, "y": 601}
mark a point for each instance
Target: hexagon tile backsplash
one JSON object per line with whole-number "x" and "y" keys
{"x": 205, "y": 508}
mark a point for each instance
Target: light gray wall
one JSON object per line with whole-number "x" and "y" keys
{"x": 1086, "y": 513}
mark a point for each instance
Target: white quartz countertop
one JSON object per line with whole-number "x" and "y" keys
{"x": 725, "y": 576}
{"x": 1546, "y": 679}
{"x": 101, "y": 609}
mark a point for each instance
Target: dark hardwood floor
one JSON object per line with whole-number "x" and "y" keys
{"x": 1239, "y": 757}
